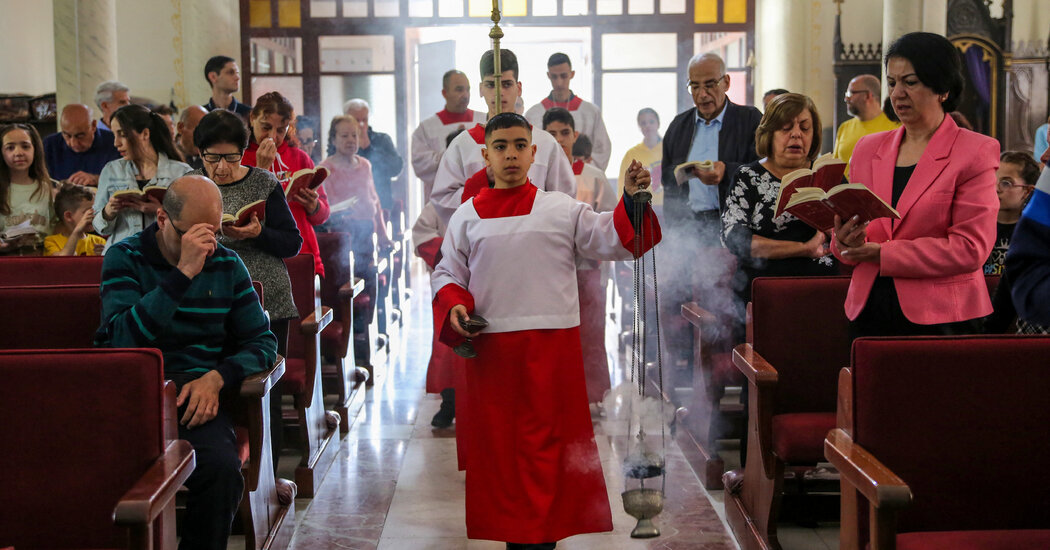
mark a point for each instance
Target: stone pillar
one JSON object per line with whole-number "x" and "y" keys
{"x": 899, "y": 17}
{"x": 781, "y": 46}
{"x": 85, "y": 49}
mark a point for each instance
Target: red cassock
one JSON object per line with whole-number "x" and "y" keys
{"x": 533, "y": 471}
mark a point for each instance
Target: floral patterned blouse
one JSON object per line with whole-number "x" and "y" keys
{"x": 749, "y": 210}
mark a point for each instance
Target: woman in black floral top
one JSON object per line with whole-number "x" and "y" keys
{"x": 766, "y": 245}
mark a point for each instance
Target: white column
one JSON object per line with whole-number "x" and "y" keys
{"x": 85, "y": 48}
{"x": 780, "y": 46}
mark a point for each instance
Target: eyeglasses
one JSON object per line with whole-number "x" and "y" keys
{"x": 708, "y": 86}
{"x": 1007, "y": 182}
{"x": 214, "y": 158}
{"x": 851, "y": 93}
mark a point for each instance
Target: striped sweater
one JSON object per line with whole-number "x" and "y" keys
{"x": 211, "y": 322}
{"x": 1028, "y": 260}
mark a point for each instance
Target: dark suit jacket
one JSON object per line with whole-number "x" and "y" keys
{"x": 736, "y": 146}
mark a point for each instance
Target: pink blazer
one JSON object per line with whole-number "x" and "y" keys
{"x": 936, "y": 251}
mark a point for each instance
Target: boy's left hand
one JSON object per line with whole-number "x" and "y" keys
{"x": 637, "y": 177}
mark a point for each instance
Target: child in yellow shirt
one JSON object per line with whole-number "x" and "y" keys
{"x": 74, "y": 213}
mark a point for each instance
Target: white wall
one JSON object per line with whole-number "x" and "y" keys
{"x": 27, "y": 38}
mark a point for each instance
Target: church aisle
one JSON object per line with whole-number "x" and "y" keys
{"x": 394, "y": 484}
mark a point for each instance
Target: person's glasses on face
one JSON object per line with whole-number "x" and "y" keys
{"x": 850, "y": 94}
{"x": 708, "y": 86}
{"x": 1008, "y": 183}
{"x": 214, "y": 158}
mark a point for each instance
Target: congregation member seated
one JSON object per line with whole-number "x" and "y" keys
{"x": 268, "y": 149}
{"x": 110, "y": 96}
{"x": 25, "y": 191}
{"x": 1028, "y": 260}
{"x": 922, "y": 274}
{"x": 189, "y": 119}
{"x": 81, "y": 149}
{"x": 168, "y": 114}
{"x": 1017, "y": 175}
{"x": 149, "y": 159}
{"x": 174, "y": 287}
{"x": 74, "y": 213}
{"x": 766, "y": 245}
{"x": 307, "y": 130}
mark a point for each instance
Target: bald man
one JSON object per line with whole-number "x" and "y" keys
{"x": 149, "y": 282}
{"x": 188, "y": 120}
{"x": 80, "y": 149}
{"x": 864, "y": 103}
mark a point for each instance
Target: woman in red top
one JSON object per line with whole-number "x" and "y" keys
{"x": 269, "y": 121}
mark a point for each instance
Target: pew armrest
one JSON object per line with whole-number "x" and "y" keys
{"x": 762, "y": 379}
{"x": 351, "y": 290}
{"x": 156, "y": 489}
{"x": 696, "y": 315}
{"x": 879, "y": 485}
{"x": 755, "y": 367}
{"x": 312, "y": 325}
{"x": 259, "y": 384}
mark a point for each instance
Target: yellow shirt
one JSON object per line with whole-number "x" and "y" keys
{"x": 85, "y": 247}
{"x": 853, "y": 129}
{"x": 651, "y": 159}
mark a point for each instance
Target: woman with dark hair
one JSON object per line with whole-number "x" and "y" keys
{"x": 922, "y": 274}
{"x": 25, "y": 188}
{"x": 270, "y": 120}
{"x": 788, "y": 137}
{"x": 149, "y": 158}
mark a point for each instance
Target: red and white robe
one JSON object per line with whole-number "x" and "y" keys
{"x": 587, "y": 119}
{"x": 533, "y": 472}
{"x": 429, "y": 139}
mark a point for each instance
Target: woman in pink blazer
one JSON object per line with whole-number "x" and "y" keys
{"x": 922, "y": 274}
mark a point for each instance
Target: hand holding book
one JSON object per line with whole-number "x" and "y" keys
{"x": 816, "y": 196}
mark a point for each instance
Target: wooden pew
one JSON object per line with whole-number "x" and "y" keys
{"x": 943, "y": 442}
{"x": 50, "y": 270}
{"x": 341, "y": 290}
{"x": 77, "y": 312}
{"x": 401, "y": 237}
{"x": 88, "y": 469}
{"x": 797, "y": 340}
{"x": 317, "y": 428}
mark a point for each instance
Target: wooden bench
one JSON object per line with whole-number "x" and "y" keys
{"x": 941, "y": 443}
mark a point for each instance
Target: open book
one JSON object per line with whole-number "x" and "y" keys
{"x": 818, "y": 208}
{"x": 243, "y": 216}
{"x": 827, "y": 172}
{"x": 687, "y": 170}
{"x": 19, "y": 230}
{"x": 155, "y": 192}
{"x": 307, "y": 178}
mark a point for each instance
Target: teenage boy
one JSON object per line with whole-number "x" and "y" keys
{"x": 550, "y": 171}
{"x": 533, "y": 472}
{"x": 224, "y": 79}
{"x": 587, "y": 115}
{"x": 592, "y": 188}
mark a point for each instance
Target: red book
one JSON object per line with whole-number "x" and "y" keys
{"x": 827, "y": 172}
{"x": 307, "y": 178}
{"x": 818, "y": 208}
{"x": 243, "y": 216}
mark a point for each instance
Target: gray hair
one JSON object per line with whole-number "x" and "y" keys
{"x": 708, "y": 56}
{"x": 104, "y": 92}
{"x": 355, "y": 105}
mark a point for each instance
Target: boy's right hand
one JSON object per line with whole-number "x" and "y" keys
{"x": 84, "y": 222}
{"x": 197, "y": 244}
{"x": 636, "y": 177}
{"x": 458, "y": 314}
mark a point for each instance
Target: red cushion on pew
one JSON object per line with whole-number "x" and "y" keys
{"x": 974, "y": 540}
{"x": 725, "y": 372}
{"x": 294, "y": 379}
{"x": 243, "y": 451}
{"x": 331, "y": 336}
{"x": 799, "y": 437}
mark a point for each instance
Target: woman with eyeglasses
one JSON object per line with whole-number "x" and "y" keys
{"x": 922, "y": 274}
{"x": 269, "y": 149}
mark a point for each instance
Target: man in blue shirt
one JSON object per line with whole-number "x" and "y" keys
{"x": 224, "y": 77}
{"x": 81, "y": 149}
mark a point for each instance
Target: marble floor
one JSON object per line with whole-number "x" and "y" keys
{"x": 394, "y": 484}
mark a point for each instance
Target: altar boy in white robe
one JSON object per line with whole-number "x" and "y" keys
{"x": 509, "y": 255}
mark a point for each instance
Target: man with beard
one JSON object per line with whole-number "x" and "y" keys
{"x": 864, "y": 104}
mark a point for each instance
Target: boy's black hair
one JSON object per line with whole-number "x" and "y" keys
{"x": 583, "y": 147}
{"x": 507, "y": 62}
{"x": 215, "y": 65}
{"x": 69, "y": 198}
{"x": 220, "y": 126}
{"x": 557, "y": 114}
{"x": 557, "y": 59}
{"x": 503, "y": 121}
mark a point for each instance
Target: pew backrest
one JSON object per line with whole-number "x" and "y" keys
{"x": 50, "y": 270}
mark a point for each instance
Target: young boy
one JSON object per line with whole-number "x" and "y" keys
{"x": 592, "y": 188}
{"x": 74, "y": 212}
{"x": 582, "y": 149}
{"x": 533, "y": 472}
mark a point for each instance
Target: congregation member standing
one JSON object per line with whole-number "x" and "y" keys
{"x": 922, "y": 274}
{"x": 110, "y": 96}
{"x": 1017, "y": 176}
{"x": 649, "y": 152}
{"x": 25, "y": 189}
{"x": 429, "y": 139}
{"x": 269, "y": 150}
{"x": 1028, "y": 261}
{"x": 722, "y": 132}
{"x": 79, "y": 151}
{"x": 174, "y": 287}
{"x": 379, "y": 149}
{"x": 224, "y": 79}
{"x": 189, "y": 119}
{"x": 587, "y": 115}
{"x": 864, "y": 103}
{"x": 148, "y": 158}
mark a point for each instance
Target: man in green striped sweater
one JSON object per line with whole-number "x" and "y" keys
{"x": 175, "y": 288}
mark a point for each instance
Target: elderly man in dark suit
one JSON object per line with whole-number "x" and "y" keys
{"x": 722, "y": 132}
